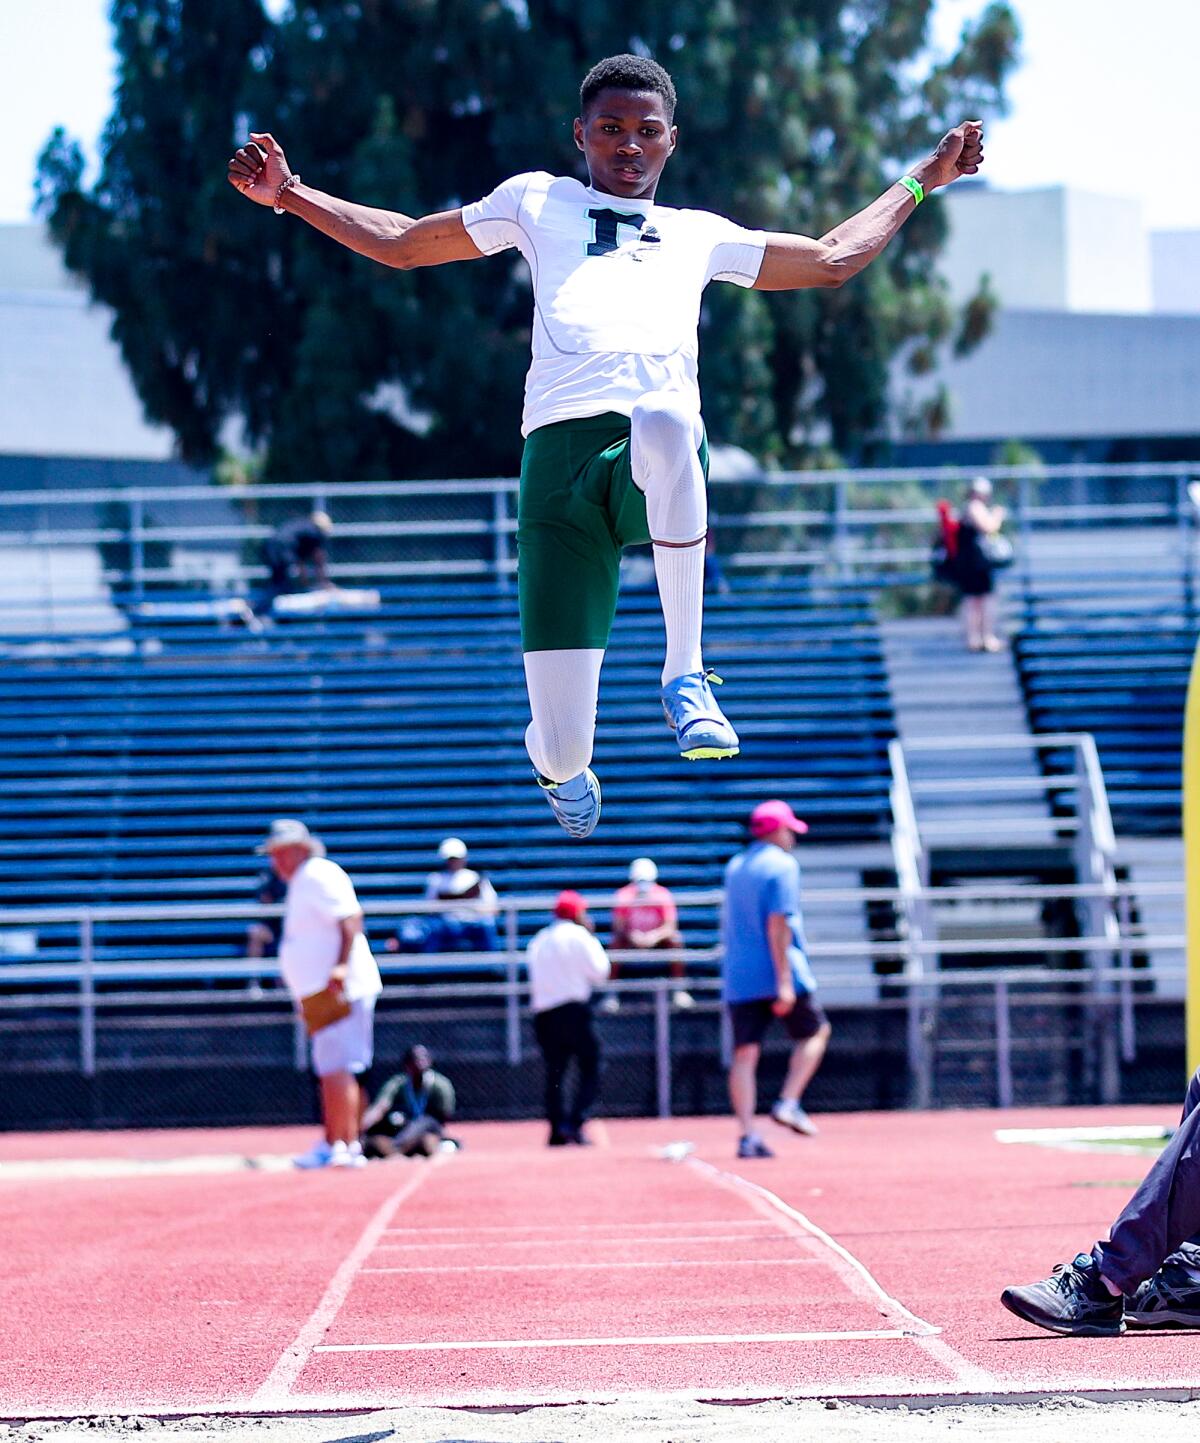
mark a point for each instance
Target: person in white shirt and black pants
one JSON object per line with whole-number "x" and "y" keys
{"x": 565, "y": 965}
{"x": 324, "y": 949}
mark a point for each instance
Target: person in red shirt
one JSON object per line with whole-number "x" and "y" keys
{"x": 644, "y": 918}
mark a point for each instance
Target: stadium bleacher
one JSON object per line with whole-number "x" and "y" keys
{"x": 149, "y": 776}
{"x": 1116, "y": 665}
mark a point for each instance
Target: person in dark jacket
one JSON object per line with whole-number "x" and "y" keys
{"x": 1146, "y": 1273}
{"x": 297, "y": 556}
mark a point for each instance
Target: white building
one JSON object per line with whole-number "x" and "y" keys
{"x": 1098, "y": 331}
{"x": 64, "y": 389}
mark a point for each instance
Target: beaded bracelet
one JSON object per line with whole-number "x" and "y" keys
{"x": 292, "y": 180}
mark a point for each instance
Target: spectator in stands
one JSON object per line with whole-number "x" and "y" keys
{"x": 1146, "y": 1273}
{"x": 766, "y": 972}
{"x": 469, "y": 925}
{"x": 409, "y": 1117}
{"x": 262, "y": 937}
{"x": 645, "y": 918}
{"x": 328, "y": 967}
{"x": 297, "y": 556}
{"x": 566, "y": 962}
{"x": 974, "y": 572}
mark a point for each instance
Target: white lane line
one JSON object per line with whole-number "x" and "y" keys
{"x": 854, "y": 1273}
{"x": 590, "y": 1228}
{"x": 789, "y": 1262}
{"x": 276, "y": 1386}
{"x": 624, "y": 1241}
{"x": 686, "y": 1340}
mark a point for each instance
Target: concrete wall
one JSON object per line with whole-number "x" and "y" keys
{"x": 1050, "y": 249}
{"x": 1044, "y": 374}
{"x": 1175, "y": 268}
{"x": 64, "y": 390}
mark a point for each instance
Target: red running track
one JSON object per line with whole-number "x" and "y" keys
{"x": 161, "y": 1272}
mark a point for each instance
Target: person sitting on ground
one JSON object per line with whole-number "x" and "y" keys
{"x": 645, "y": 918}
{"x": 1146, "y": 1273}
{"x": 296, "y": 556}
{"x": 409, "y": 1117}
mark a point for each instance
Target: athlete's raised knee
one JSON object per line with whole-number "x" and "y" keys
{"x": 559, "y": 758}
{"x": 663, "y": 424}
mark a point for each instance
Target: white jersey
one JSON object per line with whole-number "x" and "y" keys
{"x": 616, "y": 289}
{"x": 319, "y": 896}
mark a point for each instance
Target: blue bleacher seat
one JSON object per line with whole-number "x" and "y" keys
{"x": 149, "y": 776}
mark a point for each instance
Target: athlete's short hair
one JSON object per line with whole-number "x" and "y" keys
{"x": 627, "y": 72}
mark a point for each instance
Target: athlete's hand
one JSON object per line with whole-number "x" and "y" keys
{"x": 785, "y": 999}
{"x": 959, "y": 152}
{"x": 259, "y": 169}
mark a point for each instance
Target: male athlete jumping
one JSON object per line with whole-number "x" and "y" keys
{"x": 615, "y": 452}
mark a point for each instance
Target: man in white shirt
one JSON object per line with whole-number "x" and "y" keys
{"x": 469, "y": 923}
{"x": 324, "y": 946}
{"x": 615, "y": 452}
{"x": 565, "y": 964}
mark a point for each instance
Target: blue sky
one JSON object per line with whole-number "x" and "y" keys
{"x": 1105, "y": 99}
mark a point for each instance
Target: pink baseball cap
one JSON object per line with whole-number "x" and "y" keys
{"x": 570, "y": 905}
{"x": 769, "y": 816}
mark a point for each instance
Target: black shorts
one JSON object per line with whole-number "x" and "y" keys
{"x": 751, "y": 1019}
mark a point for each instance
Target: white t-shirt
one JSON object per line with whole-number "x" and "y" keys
{"x": 319, "y": 896}
{"x": 565, "y": 964}
{"x": 481, "y": 900}
{"x": 616, "y": 289}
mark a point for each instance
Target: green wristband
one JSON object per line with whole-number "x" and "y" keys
{"x": 914, "y": 187}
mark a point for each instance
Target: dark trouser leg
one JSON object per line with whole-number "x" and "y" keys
{"x": 550, "y": 1030}
{"x": 1165, "y": 1210}
{"x": 422, "y": 1135}
{"x": 587, "y": 1054}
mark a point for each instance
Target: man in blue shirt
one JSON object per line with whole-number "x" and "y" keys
{"x": 766, "y": 972}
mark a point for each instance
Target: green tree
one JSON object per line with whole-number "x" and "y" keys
{"x": 793, "y": 113}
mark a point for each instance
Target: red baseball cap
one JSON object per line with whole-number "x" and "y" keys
{"x": 570, "y": 905}
{"x": 769, "y": 816}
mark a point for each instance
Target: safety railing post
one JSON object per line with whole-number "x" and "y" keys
{"x": 1004, "y": 1075}
{"x": 1184, "y": 512}
{"x": 725, "y": 1037}
{"x": 1025, "y": 534}
{"x": 662, "y": 1047}
{"x": 500, "y": 538}
{"x": 841, "y": 531}
{"x": 512, "y": 1000}
{"x": 87, "y": 995}
{"x": 1128, "y": 1015}
{"x": 137, "y": 546}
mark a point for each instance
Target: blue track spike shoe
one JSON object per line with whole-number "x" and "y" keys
{"x": 698, "y": 722}
{"x": 575, "y": 803}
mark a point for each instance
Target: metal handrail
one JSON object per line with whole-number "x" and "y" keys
{"x": 895, "y": 475}
{"x": 597, "y": 901}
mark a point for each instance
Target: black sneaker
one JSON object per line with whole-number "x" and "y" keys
{"x": 1072, "y": 1300}
{"x": 1171, "y": 1298}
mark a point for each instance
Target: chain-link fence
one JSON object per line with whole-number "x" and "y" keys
{"x": 201, "y": 1056}
{"x": 65, "y": 550}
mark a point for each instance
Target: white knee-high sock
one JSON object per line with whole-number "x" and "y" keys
{"x": 680, "y": 573}
{"x": 664, "y": 438}
{"x": 563, "y": 686}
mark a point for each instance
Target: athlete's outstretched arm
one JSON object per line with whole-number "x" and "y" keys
{"x": 796, "y": 262}
{"x": 260, "y": 168}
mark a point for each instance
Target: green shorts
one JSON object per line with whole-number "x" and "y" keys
{"x": 579, "y": 506}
